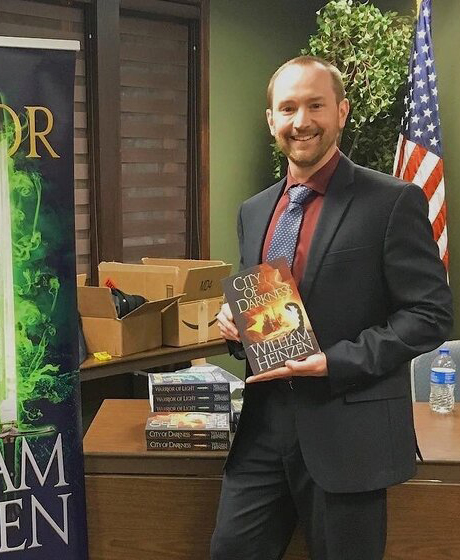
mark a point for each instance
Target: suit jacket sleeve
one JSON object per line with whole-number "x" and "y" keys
{"x": 420, "y": 305}
{"x": 236, "y": 348}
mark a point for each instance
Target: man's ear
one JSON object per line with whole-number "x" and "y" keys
{"x": 344, "y": 109}
{"x": 269, "y": 115}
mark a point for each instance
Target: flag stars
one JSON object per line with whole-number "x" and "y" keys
{"x": 429, "y": 61}
{"x": 431, "y": 127}
{"x": 418, "y": 133}
{"x": 434, "y": 91}
{"x": 434, "y": 141}
{"x": 425, "y": 49}
{"x": 412, "y": 104}
{"x": 432, "y": 77}
{"x": 427, "y": 113}
{"x": 421, "y": 34}
{"x": 417, "y": 69}
{"x": 420, "y": 84}
{"x": 424, "y": 98}
{"x": 415, "y": 119}
{"x": 426, "y": 12}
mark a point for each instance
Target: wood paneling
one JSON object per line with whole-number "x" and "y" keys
{"x": 170, "y": 500}
{"x": 24, "y": 18}
{"x": 203, "y": 135}
{"x": 105, "y": 121}
{"x": 163, "y": 8}
{"x": 153, "y": 100}
{"x": 424, "y": 522}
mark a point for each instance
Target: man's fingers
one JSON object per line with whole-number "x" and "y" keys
{"x": 279, "y": 373}
{"x": 226, "y": 325}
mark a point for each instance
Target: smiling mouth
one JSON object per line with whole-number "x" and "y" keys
{"x": 304, "y": 138}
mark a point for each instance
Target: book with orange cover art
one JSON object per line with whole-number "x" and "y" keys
{"x": 269, "y": 315}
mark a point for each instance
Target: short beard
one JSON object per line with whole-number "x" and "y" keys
{"x": 299, "y": 162}
{"x": 305, "y": 162}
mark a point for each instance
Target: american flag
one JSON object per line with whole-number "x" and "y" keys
{"x": 419, "y": 151}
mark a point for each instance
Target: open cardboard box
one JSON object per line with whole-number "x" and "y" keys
{"x": 137, "y": 331}
{"x": 190, "y": 320}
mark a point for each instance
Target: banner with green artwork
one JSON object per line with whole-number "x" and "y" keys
{"x": 42, "y": 505}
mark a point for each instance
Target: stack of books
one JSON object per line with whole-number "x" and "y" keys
{"x": 188, "y": 431}
{"x": 190, "y": 411}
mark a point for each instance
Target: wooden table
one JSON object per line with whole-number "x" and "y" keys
{"x": 94, "y": 369}
{"x": 161, "y": 506}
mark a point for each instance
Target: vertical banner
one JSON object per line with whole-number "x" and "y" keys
{"x": 42, "y": 505}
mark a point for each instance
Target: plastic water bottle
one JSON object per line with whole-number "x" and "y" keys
{"x": 442, "y": 382}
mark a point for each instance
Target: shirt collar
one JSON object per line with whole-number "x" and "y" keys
{"x": 319, "y": 180}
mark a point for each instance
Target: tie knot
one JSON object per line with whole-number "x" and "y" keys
{"x": 299, "y": 194}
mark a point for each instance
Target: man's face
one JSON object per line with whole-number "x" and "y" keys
{"x": 305, "y": 117}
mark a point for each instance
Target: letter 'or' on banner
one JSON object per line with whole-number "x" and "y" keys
{"x": 42, "y": 498}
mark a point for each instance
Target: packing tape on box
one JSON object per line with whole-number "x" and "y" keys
{"x": 202, "y": 321}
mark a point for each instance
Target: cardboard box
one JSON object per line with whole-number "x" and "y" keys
{"x": 160, "y": 278}
{"x": 191, "y": 322}
{"x": 192, "y": 319}
{"x": 137, "y": 331}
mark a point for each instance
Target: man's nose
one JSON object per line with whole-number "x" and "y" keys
{"x": 302, "y": 119}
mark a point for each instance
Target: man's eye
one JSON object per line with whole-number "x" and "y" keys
{"x": 316, "y": 106}
{"x": 287, "y": 109}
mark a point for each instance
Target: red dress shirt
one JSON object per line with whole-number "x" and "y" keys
{"x": 318, "y": 182}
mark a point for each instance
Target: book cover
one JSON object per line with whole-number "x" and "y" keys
{"x": 270, "y": 316}
{"x": 188, "y": 445}
{"x": 187, "y": 382}
{"x": 187, "y": 435}
{"x": 178, "y": 407}
{"x": 176, "y": 425}
{"x": 191, "y": 398}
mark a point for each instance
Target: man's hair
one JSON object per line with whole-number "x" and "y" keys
{"x": 306, "y": 60}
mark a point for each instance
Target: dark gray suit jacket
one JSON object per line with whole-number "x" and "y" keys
{"x": 375, "y": 291}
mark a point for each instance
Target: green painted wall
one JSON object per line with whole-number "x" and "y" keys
{"x": 249, "y": 40}
{"x": 446, "y": 40}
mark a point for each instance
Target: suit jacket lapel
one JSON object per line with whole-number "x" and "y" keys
{"x": 336, "y": 200}
{"x": 259, "y": 226}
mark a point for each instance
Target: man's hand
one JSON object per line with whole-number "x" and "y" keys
{"x": 227, "y": 327}
{"x": 313, "y": 366}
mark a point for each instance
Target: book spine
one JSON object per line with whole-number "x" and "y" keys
{"x": 193, "y": 388}
{"x": 191, "y": 398}
{"x": 187, "y": 435}
{"x": 188, "y": 446}
{"x": 180, "y": 407}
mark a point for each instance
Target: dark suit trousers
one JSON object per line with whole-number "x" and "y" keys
{"x": 267, "y": 490}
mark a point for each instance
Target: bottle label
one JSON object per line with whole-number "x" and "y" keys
{"x": 442, "y": 376}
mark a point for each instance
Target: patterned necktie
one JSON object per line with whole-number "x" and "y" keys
{"x": 284, "y": 240}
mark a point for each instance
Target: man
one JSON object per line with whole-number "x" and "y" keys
{"x": 320, "y": 440}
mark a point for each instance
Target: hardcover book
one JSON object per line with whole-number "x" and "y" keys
{"x": 195, "y": 426}
{"x": 270, "y": 316}
{"x": 188, "y": 445}
{"x": 178, "y": 382}
{"x": 178, "y": 407}
{"x": 191, "y": 398}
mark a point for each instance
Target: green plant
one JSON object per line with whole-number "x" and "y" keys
{"x": 371, "y": 49}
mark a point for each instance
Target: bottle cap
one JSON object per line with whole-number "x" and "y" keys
{"x": 444, "y": 351}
